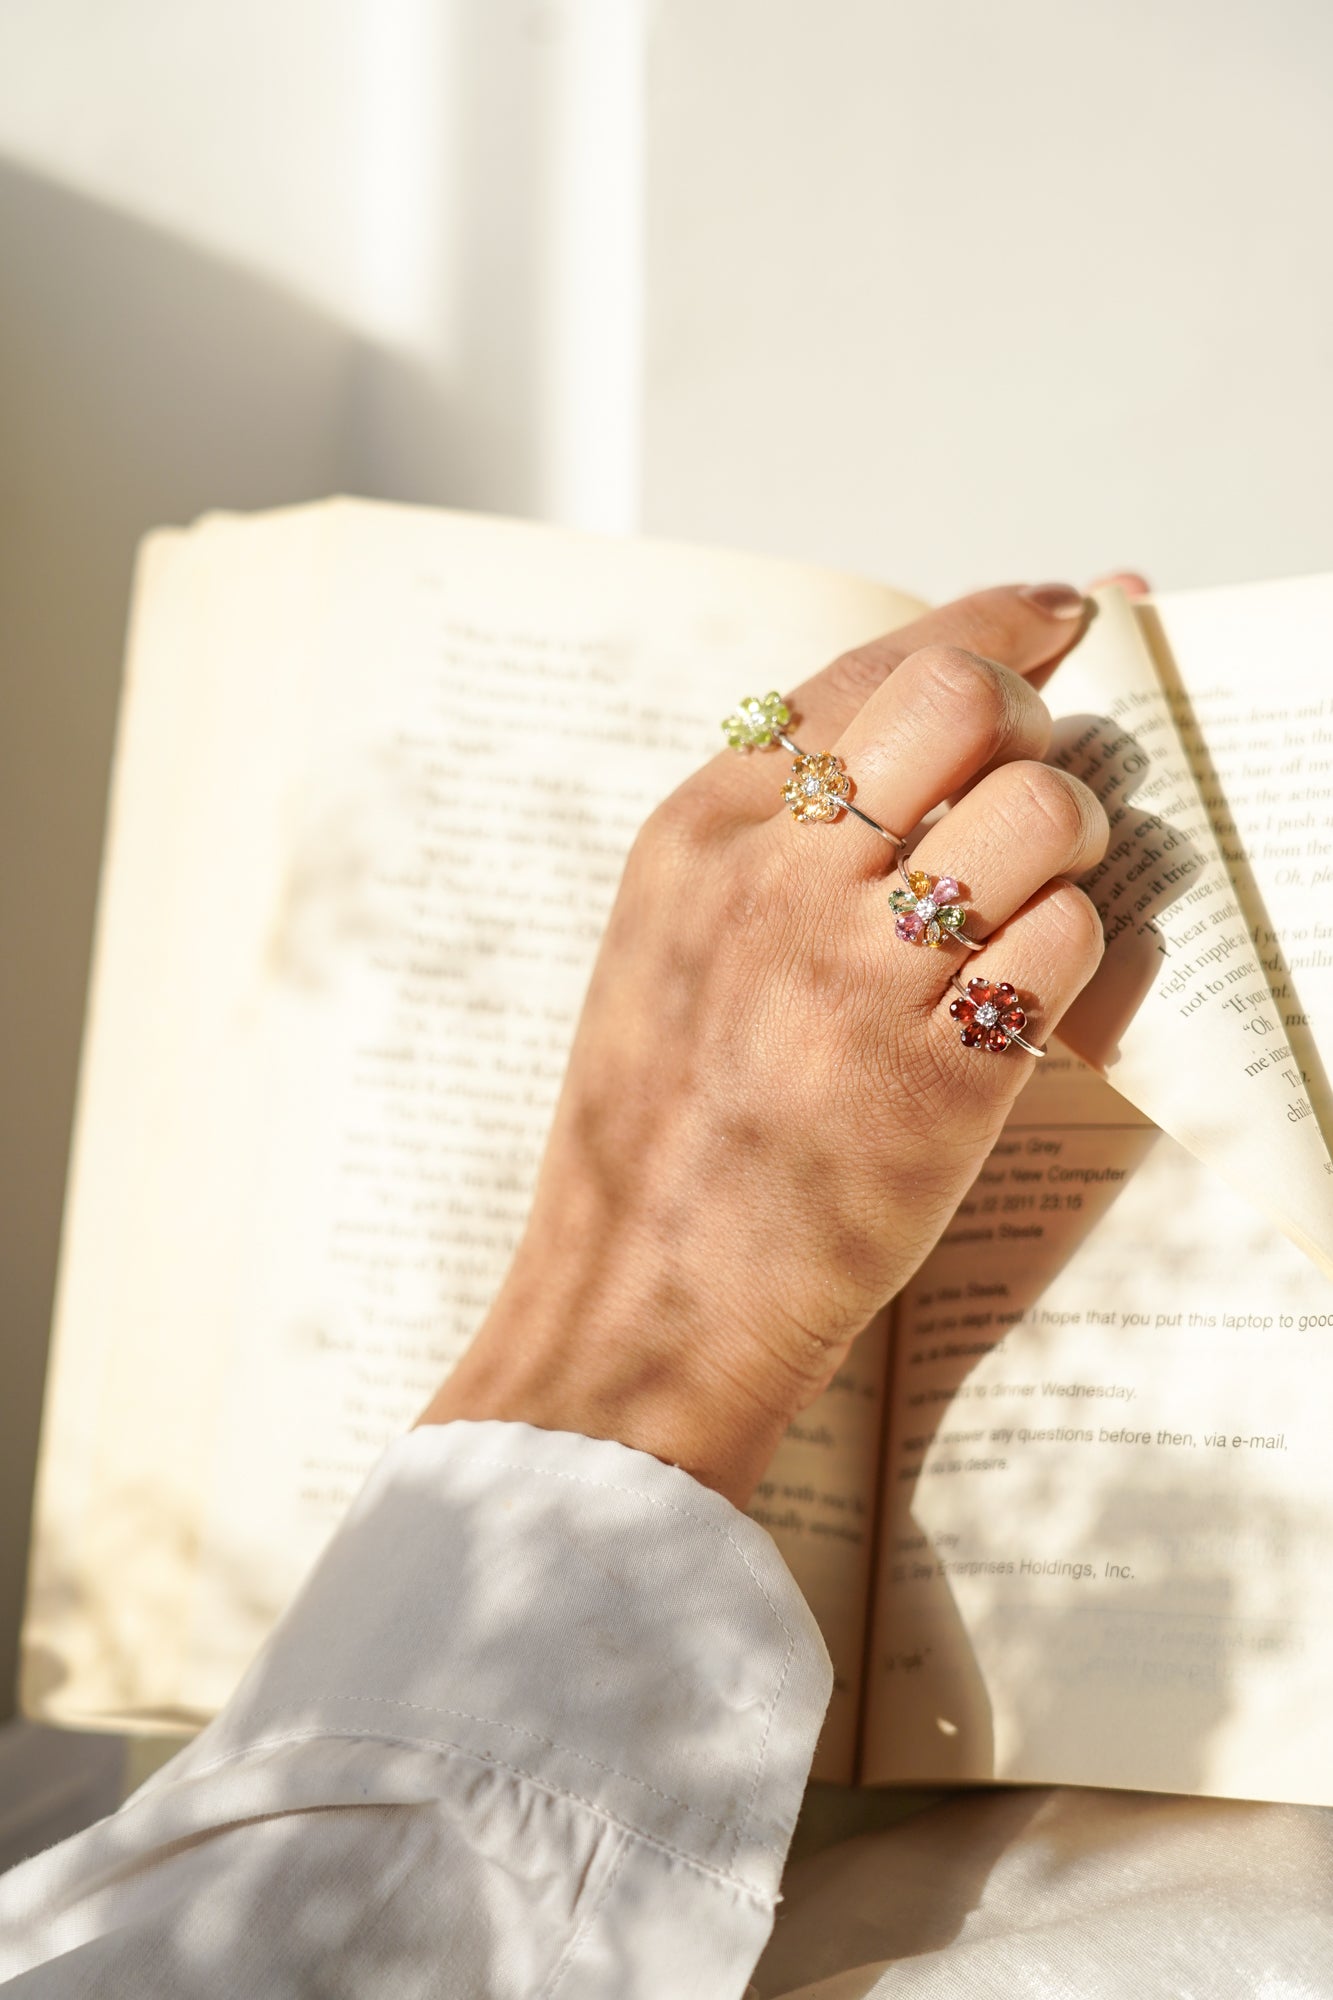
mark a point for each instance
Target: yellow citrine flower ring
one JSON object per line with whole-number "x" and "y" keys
{"x": 819, "y": 786}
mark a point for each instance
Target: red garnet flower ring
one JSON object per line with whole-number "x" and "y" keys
{"x": 819, "y": 784}
{"x": 989, "y": 1016}
{"x": 930, "y": 910}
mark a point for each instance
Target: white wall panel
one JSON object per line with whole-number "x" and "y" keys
{"x": 960, "y": 291}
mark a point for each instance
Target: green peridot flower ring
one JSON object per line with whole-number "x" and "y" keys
{"x": 757, "y": 722}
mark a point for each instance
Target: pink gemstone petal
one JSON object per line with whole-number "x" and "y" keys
{"x": 910, "y": 927}
{"x": 946, "y": 890}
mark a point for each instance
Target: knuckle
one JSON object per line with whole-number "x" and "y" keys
{"x": 937, "y": 1069}
{"x": 920, "y": 1058}
{"x": 676, "y": 835}
{"x": 743, "y": 897}
{"x": 677, "y": 816}
{"x": 853, "y": 677}
{"x": 1053, "y": 807}
{"x": 971, "y": 696}
{"x": 918, "y": 1070}
{"x": 648, "y": 852}
{"x": 1073, "y": 918}
{"x": 835, "y": 995}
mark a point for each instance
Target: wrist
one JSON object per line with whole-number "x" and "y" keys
{"x": 660, "y": 1389}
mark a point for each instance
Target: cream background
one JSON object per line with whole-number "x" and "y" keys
{"x": 939, "y": 293}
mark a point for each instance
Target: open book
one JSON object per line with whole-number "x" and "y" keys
{"x": 1067, "y": 1513}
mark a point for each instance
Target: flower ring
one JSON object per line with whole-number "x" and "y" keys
{"x": 818, "y": 786}
{"x": 929, "y": 910}
{"x": 989, "y": 1016}
{"x": 757, "y": 722}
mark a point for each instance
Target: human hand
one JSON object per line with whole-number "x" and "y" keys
{"x": 768, "y": 1116}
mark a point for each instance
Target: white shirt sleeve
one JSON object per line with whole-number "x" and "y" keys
{"x": 539, "y": 1724}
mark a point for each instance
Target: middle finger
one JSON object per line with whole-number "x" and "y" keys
{"x": 943, "y": 720}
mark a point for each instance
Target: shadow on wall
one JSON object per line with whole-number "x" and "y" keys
{"x": 139, "y": 383}
{"x": 143, "y": 382}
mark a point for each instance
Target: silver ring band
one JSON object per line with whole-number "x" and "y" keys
{"x": 884, "y": 832}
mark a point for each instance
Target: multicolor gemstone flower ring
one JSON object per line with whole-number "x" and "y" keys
{"x": 989, "y": 1016}
{"x": 819, "y": 785}
{"x": 930, "y": 910}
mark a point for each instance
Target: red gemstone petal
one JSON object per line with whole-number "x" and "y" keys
{"x": 1014, "y": 1019}
{"x": 997, "y": 1040}
{"x": 980, "y": 990}
{"x": 970, "y": 1038}
{"x": 1005, "y": 994}
{"x": 963, "y": 1010}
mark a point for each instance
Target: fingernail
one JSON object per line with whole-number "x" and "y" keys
{"x": 1057, "y": 600}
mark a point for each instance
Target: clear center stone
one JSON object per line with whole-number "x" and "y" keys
{"x": 987, "y": 1015}
{"x": 927, "y": 908}
{"x": 810, "y": 787}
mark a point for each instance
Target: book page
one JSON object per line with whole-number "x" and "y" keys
{"x": 1249, "y": 674}
{"x": 818, "y": 1500}
{"x": 1182, "y": 1016}
{"x": 1108, "y": 1500}
{"x": 340, "y": 963}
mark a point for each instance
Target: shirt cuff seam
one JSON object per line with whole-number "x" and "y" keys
{"x": 441, "y": 1747}
{"x": 503, "y": 1463}
{"x": 543, "y": 1742}
{"x": 653, "y": 1500}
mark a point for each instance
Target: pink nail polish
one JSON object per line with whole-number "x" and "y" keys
{"x": 1057, "y": 600}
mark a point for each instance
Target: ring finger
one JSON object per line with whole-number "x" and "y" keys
{"x": 943, "y": 720}
{"x": 1020, "y": 827}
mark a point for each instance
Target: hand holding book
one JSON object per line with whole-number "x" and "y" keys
{"x": 767, "y": 1120}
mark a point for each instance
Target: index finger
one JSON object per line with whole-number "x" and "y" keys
{"x": 1023, "y": 626}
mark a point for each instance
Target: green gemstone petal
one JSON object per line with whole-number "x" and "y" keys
{"x": 753, "y": 723}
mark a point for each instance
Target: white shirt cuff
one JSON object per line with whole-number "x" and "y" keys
{"x": 566, "y": 1610}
